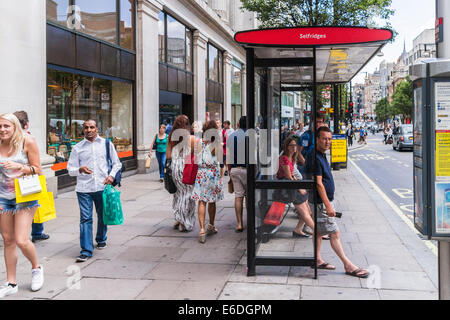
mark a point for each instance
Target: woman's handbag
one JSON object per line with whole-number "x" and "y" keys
{"x": 148, "y": 162}
{"x": 28, "y": 185}
{"x": 169, "y": 185}
{"x": 190, "y": 170}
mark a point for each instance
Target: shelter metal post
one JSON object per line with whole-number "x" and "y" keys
{"x": 251, "y": 243}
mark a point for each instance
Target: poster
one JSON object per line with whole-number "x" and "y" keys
{"x": 442, "y": 204}
{"x": 339, "y": 149}
{"x": 442, "y": 110}
{"x": 443, "y": 155}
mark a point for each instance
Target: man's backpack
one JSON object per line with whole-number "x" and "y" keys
{"x": 118, "y": 177}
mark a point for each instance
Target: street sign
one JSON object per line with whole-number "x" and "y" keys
{"x": 339, "y": 148}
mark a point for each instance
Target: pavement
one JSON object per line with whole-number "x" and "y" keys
{"x": 147, "y": 259}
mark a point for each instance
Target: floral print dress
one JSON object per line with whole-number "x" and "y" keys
{"x": 208, "y": 184}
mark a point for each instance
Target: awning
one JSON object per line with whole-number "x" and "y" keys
{"x": 341, "y": 52}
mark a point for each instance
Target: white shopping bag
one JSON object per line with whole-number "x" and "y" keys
{"x": 29, "y": 184}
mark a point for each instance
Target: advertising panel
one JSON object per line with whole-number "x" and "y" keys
{"x": 339, "y": 148}
{"x": 442, "y": 159}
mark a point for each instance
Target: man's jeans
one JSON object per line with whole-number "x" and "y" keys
{"x": 36, "y": 230}
{"x": 161, "y": 156}
{"x": 85, "y": 201}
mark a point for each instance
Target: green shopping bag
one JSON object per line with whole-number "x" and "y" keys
{"x": 112, "y": 208}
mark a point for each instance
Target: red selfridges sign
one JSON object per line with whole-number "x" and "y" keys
{"x": 312, "y": 36}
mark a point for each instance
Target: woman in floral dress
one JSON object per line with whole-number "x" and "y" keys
{"x": 183, "y": 205}
{"x": 208, "y": 188}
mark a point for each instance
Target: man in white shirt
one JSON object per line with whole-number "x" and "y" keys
{"x": 89, "y": 164}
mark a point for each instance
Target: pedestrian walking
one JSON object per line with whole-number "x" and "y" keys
{"x": 161, "y": 149}
{"x": 238, "y": 171}
{"x": 19, "y": 155}
{"x": 297, "y": 197}
{"x": 168, "y": 126}
{"x": 208, "y": 187}
{"x": 183, "y": 205}
{"x": 326, "y": 223}
{"x": 385, "y": 133}
{"x": 88, "y": 162}
{"x": 349, "y": 134}
{"x": 37, "y": 229}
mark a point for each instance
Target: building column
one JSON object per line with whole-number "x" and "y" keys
{"x": 244, "y": 90}
{"x": 200, "y": 42}
{"x": 147, "y": 77}
{"x": 227, "y": 67}
{"x": 23, "y": 79}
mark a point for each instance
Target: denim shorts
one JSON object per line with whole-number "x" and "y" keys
{"x": 8, "y": 206}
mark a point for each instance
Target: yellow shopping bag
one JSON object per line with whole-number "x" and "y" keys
{"x": 47, "y": 210}
{"x": 30, "y": 197}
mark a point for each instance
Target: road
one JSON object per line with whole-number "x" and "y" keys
{"x": 392, "y": 171}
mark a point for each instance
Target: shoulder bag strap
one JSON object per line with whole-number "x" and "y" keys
{"x": 108, "y": 156}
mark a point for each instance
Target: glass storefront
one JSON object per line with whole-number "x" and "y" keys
{"x": 73, "y": 98}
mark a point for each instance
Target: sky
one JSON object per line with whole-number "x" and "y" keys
{"x": 411, "y": 17}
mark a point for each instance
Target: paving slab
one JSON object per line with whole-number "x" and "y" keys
{"x": 191, "y": 271}
{"x": 264, "y": 274}
{"x": 332, "y": 293}
{"x": 408, "y": 295}
{"x": 104, "y": 289}
{"x": 118, "y": 269}
{"x": 258, "y": 291}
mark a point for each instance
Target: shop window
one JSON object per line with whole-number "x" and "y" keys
{"x": 213, "y": 111}
{"x": 174, "y": 42}
{"x": 127, "y": 24}
{"x": 73, "y": 98}
{"x": 236, "y": 94}
{"x": 99, "y": 18}
{"x": 161, "y": 37}
{"x": 57, "y": 11}
{"x": 213, "y": 63}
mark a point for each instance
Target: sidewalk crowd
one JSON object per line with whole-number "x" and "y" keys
{"x": 190, "y": 168}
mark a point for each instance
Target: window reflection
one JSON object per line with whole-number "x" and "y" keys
{"x": 161, "y": 37}
{"x": 126, "y": 24}
{"x": 99, "y": 18}
{"x": 176, "y": 43}
{"x": 73, "y": 98}
{"x": 213, "y": 63}
{"x": 57, "y": 11}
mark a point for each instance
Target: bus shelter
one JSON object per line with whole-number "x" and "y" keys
{"x": 290, "y": 59}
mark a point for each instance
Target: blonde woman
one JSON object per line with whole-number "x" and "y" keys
{"x": 19, "y": 155}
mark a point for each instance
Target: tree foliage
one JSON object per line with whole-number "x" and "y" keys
{"x": 383, "y": 110}
{"x": 292, "y": 13}
{"x": 402, "y": 99}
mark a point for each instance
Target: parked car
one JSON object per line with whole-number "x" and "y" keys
{"x": 403, "y": 137}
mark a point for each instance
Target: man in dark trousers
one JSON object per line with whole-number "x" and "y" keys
{"x": 88, "y": 162}
{"x": 326, "y": 214}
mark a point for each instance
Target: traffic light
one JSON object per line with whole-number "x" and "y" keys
{"x": 350, "y": 107}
